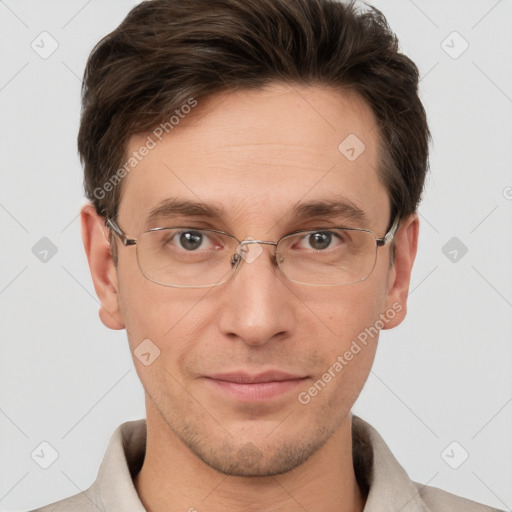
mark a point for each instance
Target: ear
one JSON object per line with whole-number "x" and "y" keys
{"x": 103, "y": 271}
{"x": 399, "y": 277}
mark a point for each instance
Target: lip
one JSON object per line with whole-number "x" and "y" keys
{"x": 259, "y": 387}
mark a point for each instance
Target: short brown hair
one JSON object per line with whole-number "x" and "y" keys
{"x": 166, "y": 52}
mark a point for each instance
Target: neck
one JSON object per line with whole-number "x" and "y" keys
{"x": 173, "y": 479}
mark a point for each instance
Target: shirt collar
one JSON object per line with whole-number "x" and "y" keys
{"x": 377, "y": 471}
{"x": 390, "y": 488}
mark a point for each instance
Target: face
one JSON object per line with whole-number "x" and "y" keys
{"x": 254, "y": 156}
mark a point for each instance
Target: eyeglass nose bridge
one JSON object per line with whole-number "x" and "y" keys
{"x": 238, "y": 256}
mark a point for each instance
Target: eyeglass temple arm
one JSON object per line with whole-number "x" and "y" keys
{"x": 119, "y": 232}
{"x": 391, "y": 233}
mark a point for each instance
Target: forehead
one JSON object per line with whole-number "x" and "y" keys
{"x": 255, "y": 154}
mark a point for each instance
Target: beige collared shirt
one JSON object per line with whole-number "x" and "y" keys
{"x": 389, "y": 487}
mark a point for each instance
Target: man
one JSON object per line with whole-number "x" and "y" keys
{"x": 254, "y": 171}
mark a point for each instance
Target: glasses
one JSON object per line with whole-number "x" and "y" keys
{"x": 187, "y": 257}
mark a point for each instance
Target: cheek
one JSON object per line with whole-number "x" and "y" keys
{"x": 348, "y": 327}
{"x": 173, "y": 319}
{"x": 347, "y": 349}
{"x": 347, "y": 310}
{"x": 148, "y": 309}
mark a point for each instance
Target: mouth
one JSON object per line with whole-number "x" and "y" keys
{"x": 259, "y": 387}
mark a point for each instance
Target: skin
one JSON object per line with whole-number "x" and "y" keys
{"x": 256, "y": 154}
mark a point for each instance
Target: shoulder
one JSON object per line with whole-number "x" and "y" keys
{"x": 389, "y": 486}
{"x": 77, "y": 503}
{"x": 438, "y": 500}
{"x": 113, "y": 488}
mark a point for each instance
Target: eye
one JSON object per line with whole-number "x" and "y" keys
{"x": 320, "y": 240}
{"x": 193, "y": 240}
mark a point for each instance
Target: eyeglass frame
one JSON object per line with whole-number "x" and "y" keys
{"x": 237, "y": 258}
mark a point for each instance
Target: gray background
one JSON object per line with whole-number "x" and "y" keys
{"x": 442, "y": 376}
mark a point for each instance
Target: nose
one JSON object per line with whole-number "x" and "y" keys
{"x": 257, "y": 303}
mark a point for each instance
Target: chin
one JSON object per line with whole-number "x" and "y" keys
{"x": 232, "y": 458}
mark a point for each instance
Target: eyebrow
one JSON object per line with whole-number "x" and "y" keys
{"x": 173, "y": 207}
{"x": 338, "y": 207}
